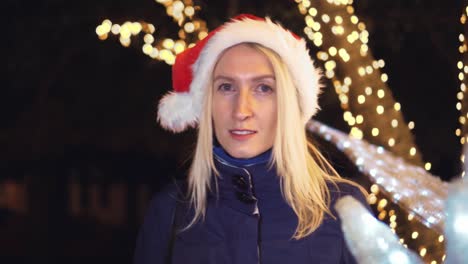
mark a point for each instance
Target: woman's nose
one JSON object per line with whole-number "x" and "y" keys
{"x": 243, "y": 105}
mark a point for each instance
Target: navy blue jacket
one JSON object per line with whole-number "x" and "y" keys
{"x": 248, "y": 222}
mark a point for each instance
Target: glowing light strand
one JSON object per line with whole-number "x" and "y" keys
{"x": 334, "y": 57}
{"x": 183, "y": 12}
{"x": 462, "y": 65}
{"x": 367, "y": 102}
{"x": 406, "y": 197}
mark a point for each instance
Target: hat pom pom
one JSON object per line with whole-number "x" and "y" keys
{"x": 176, "y": 113}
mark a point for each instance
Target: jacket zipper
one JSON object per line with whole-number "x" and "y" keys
{"x": 256, "y": 212}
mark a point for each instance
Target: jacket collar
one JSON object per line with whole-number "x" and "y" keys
{"x": 246, "y": 185}
{"x": 221, "y": 154}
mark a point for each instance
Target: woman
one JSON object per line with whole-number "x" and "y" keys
{"x": 257, "y": 191}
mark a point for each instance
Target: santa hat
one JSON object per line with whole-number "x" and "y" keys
{"x": 193, "y": 68}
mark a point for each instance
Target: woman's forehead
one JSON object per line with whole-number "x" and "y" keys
{"x": 243, "y": 58}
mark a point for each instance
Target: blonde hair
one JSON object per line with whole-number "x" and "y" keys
{"x": 303, "y": 171}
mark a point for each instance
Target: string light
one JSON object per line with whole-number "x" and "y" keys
{"x": 461, "y": 106}
{"x": 342, "y": 34}
{"x": 339, "y": 33}
{"x": 404, "y": 196}
{"x": 183, "y": 13}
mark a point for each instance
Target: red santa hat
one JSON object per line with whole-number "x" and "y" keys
{"x": 193, "y": 68}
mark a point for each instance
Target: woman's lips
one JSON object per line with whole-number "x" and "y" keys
{"x": 242, "y": 134}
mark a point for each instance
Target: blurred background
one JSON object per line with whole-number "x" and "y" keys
{"x": 81, "y": 153}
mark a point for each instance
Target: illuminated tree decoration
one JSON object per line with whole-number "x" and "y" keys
{"x": 367, "y": 101}
{"x": 404, "y": 196}
{"x": 462, "y": 106}
{"x": 183, "y": 12}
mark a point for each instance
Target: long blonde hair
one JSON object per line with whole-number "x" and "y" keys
{"x": 303, "y": 171}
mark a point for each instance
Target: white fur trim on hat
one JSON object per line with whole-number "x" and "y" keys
{"x": 175, "y": 112}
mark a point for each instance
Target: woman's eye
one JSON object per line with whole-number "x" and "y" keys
{"x": 264, "y": 88}
{"x": 225, "y": 87}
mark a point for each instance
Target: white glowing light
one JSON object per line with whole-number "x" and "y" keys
{"x": 400, "y": 257}
{"x": 461, "y": 224}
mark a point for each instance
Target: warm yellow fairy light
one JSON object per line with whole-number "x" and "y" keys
{"x": 391, "y": 142}
{"x": 441, "y": 238}
{"x": 347, "y": 115}
{"x": 168, "y": 43}
{"x": 356, "y": 133}
{"x": 427, "y": 166}
{"x": 364, "y": 49}
{"x": 414, "y": 235}
{"x": 154, "y": 53}
{"x": 382, "y": 215}
{"x": 380, "y": 109}
{"x": 179, "y": 46}
{"x": 189, "y": 27}
{"x": 338, "y": 19}
{"x": 202, "y": 35}
{"x": 382, "y": 204}
{"x": 397, "y": 106}
{"x": 147, "y": 49}
{"x": 125, "y": 31}
{"x": 368, "y": 90}
{"x": 124, "y": 41}
{"x": 115, "y": 29}
{"x": 135, "y": 28}
{"x": 384, "y": 77}
{"x": 361, "y": 99}
{"x": 348, "y": 80}
{"x": 343, "y": 98}
{"x": 411, "y": 125}
{"x": 313, "y": 11}
{"x": 380, "y": 93}
{"x": 149, "y": 39}
{"x": 423, "y": 252}
{"x": 375, "y": 131}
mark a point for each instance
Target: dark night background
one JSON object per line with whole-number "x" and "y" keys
{"x": 75, "y": 109}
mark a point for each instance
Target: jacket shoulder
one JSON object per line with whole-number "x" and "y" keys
{"x": 152, "y": 244}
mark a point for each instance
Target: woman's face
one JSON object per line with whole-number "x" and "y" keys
{"x": 244, "y": 102}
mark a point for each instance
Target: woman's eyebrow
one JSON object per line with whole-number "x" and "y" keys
{"x": 256, "y": 78}
{"x": 222, "y": 77}
{"x": 262, "y": 77}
